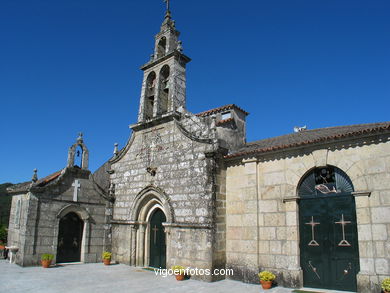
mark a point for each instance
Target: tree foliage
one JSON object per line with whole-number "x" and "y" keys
{"x": 5, "y": 204}
{"x": 3, "y": 234}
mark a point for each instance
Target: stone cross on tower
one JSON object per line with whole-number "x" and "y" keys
{"x": 76, "y": 186}
{"x": 167, "y": 1}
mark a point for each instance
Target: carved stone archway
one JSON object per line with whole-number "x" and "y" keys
{"x": 146, "y": 203}
{"x": 85, "y": 217}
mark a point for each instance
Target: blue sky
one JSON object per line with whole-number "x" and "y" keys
{"x": 70, "y": 66}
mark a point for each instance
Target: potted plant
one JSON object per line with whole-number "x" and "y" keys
{"x": 266, "y": 279}
{"x": 179, "y": 272}
{"x": 106, "y": 256}
{"x": 386, "y": 285}
{"x": 46, "y": 260}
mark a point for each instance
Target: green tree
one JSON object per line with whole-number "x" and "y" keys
{"x": 3, "y": 234}
{"x": 5, "y": 204}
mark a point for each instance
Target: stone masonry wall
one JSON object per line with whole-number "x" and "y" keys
{"x": 38, "y": 231}
{"x": 262, "y": 231}
{"x": 185, "y": 174}
{"x": 17, "y": 223}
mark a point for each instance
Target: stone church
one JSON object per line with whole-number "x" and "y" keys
{"x": 312, "y": 206}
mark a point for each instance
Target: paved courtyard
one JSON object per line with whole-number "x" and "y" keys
{"x": 96, "y": 278}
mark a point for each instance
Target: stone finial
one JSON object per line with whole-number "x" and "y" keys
{"x": 80, "y": 138}
{"x": 167, "y": 19}
{"x": 34, "y": 178}
{"x": 115, "y": 149}
{"x": 180, "y": 46}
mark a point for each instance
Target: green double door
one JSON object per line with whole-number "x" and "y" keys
{"x": 328, "y": 242}
{"x": 157, "y": 240}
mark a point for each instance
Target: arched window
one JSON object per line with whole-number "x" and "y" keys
{"x": 161, "y": 47}
{"x": 326, "y": 180}
{"x": 164, "y": 89}
{"x": 149, "y": 95}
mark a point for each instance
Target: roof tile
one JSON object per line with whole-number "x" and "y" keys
{"x": 307, "y": 137}
{"x": 220, "y": 109}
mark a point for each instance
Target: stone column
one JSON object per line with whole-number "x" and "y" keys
{"x": 167, "y": 231}
{"x": 141, "y": 245}
{"x": 133, "y": 245}
{"x": 156, "y": 106}
{"x": 85, "y": 242}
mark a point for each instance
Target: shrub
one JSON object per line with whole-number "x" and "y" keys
{"x": 47, "y": 256}
{"x": 106, "y": 255}
{"x": 266, "y": 276}
{"x": 386, "y": 285}
{"x": 178, "y": 270}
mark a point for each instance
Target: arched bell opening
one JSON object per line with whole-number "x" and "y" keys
{"x": 78, "y": 160}
{"x": 78, "y": 154}
{"x": 329, "y": 254}
{"x": 150, "y": 95}
{"x": 164, "y": 89}
{"x": 161, "y": 47}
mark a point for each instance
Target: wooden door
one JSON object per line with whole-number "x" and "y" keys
{"x": 157, "y": 240}
{"x": 70, "y": 235}
{"x": 328, "y": 242}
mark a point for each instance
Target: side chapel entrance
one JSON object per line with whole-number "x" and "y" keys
{"x": 70, "y": 234}
{"x": 328, "y": 230}
{"x": 157, "y": 246}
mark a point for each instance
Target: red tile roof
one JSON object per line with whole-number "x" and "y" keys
{"x": 25, "y": 186}
{"x": 221, "y": 109}
{"x": 308, "y": 137}
{"x": 48, "y": 179}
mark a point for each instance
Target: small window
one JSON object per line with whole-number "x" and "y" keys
{"x": 226, "y": 115}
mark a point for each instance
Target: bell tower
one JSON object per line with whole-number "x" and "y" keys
{"x": 164, "y": 81}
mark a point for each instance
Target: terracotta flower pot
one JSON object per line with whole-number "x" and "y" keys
{"x": 179, "y": 277}
{"x": 107, "y": 261}
{"x": 46, "y": 263}
{"x": 266, "y": 284}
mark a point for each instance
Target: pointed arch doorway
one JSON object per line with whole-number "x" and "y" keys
{"x": 328, "y": 231}
{"x": 157, "y": 246}
{"x": 70, "y": 233}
